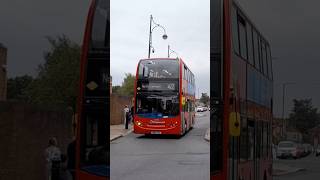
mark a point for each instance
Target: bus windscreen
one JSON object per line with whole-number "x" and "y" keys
{"x": 158, "y": 69}
{"x": 157, "y": 105}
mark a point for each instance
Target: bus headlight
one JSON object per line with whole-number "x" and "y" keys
{"x": 139, "y": 123}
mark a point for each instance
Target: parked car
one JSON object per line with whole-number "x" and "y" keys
{"x": 287, "y": 149}
{"x": 317, "y": 151}
{"x": 205, "y": 108}
{"x": 200, "y": 109}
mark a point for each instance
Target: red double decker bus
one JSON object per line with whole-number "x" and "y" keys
{"x": 241, "y": 92}
{"x": 164, "y": 101}
{"x": 92, "y": 140}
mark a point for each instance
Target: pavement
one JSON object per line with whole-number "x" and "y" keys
{"x": 280, "y": 169}
{"x": 156, "y": 157}
{"x": 146, "y": 157}
{"x": 300, "y": 169}
{"x": 207, "y": 135}
{"x": 117, "y": 131}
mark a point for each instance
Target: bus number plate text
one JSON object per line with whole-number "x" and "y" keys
{"x": 155, "y": 132}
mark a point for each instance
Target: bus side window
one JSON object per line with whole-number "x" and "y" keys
{"x": 256, "y": 50}
{"x": 242, "y": 37}
{"x": 269, "y": 62}
{"x": 250, "y": 44}
{"x": 235, "y": 37}
{"x": 260, "y": 54}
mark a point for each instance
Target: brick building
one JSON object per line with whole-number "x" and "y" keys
{"x": 3, "y": 73}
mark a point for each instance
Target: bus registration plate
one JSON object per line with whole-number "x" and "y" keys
{"x": 155, "y": 132}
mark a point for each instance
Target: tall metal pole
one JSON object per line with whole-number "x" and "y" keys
{"x": 283, "y": 102}
{"x": 168, "y": 51}
{"x": 150, "y": 37}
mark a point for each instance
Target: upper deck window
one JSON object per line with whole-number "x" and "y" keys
{"x": 158, "y": 69}
{"x": 99, "y": 34}
{"x": 269, "y": 62}
{"x": 256, "y": 50}
{"x": 235, "y": 37}
{"x": 242, "y": 37}
{"x": 250, "y": 44}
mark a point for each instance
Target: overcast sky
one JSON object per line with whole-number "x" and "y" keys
{"x": 291, "y": 26}
{"x": 187, "y": 26}
{"x": 25, "y": 24}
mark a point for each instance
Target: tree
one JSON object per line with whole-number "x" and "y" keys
{"x": 205, "y": 99}
{"x": 127, "y": 87}
{"x": 304, "y": 115}
{"x": 17, "y": 87}
{"x": 58, "y": 77}
{"x": 116, "y": 89}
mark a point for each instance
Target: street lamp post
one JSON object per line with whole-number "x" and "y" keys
{"x": 164, "y": 36}
{"x": 284, "y": 123}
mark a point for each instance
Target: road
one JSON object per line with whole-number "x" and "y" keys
{"x": 310, "y": 164}
{"x": 137, "y": 157}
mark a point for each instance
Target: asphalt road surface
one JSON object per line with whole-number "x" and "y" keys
{"x": 310, "y": 164}
{"x": 137, "y": 157}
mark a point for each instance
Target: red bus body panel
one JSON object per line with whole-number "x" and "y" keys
{"x": 170, "y": 125}
{"x": 163, "y": 125}
{"x": 226, "y": 86}
{"x": 79, "y": 174}
{"x": 236, "y": 76}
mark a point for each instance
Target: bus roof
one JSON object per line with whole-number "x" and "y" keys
{"x": 254, "y": 26}
{"x": 168, "y": 59}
